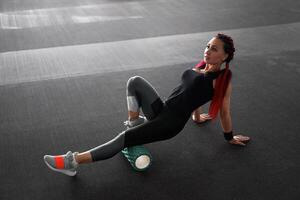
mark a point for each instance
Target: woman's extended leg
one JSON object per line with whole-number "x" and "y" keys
{"x": 68, "y": 162}
{"x": 140, "y": 93}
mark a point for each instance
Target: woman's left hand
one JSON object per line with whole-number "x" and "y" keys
{"x": 201, "y": 118}
{"x": 240, "y": 140}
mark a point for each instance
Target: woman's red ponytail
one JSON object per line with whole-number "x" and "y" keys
{"x": 221, "y": 86}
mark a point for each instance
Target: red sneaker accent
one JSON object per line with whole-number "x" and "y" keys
{"x": 59, "y": 162}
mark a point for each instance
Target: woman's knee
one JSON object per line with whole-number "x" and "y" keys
{"x": 133, "y": 83}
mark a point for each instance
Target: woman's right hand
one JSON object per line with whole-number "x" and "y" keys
{"x": 201, "y": 118}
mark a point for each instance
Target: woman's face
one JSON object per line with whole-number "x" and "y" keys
{"x": 214, "y": 52}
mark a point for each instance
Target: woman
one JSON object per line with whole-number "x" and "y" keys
{"x": 205, "y": 82}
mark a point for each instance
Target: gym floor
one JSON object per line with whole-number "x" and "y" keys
{"x": 63, "y": 71}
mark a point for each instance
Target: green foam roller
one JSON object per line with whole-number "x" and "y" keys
{"x": 138, "y": 156}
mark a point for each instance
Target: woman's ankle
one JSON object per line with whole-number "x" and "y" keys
{"x": 133, "y": 115}
{"x": 81, "y": 158}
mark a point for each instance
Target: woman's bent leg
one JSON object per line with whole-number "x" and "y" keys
{"x": 141, "y": 94}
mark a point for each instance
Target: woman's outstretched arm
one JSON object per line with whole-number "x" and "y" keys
{"x": 226, "y": 123}
{"x": 225, "y": 115}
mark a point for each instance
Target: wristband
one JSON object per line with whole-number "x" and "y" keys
{"x": 228, "y": 135}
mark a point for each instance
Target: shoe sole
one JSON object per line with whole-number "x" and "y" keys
{"x": 64, "y": 171}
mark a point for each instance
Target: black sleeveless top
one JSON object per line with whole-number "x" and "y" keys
{"x": 194, "y": 90}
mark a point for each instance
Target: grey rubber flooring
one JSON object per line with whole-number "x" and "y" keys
{"x": 63, "y": 72}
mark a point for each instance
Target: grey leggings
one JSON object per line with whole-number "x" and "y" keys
{"x": 140, "y": 94}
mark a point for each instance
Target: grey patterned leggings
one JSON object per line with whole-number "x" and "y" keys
{"x": 141, "y": 94}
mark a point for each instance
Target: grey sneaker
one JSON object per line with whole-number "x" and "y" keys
{"x": 65, "y": 164}
{"x": 133, "y": 123}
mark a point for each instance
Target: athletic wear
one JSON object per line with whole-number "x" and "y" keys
{"x": 195, "y": 90}
{"x": 115, "y": 145}
{"x": 166, "y": 125}
{"x": 165, "y": 120}
{"x": 228, "y": 135}
{"x": 141, "y": 93}
{"x": 65, "y": 164}
{"x": 108, "y": 149}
